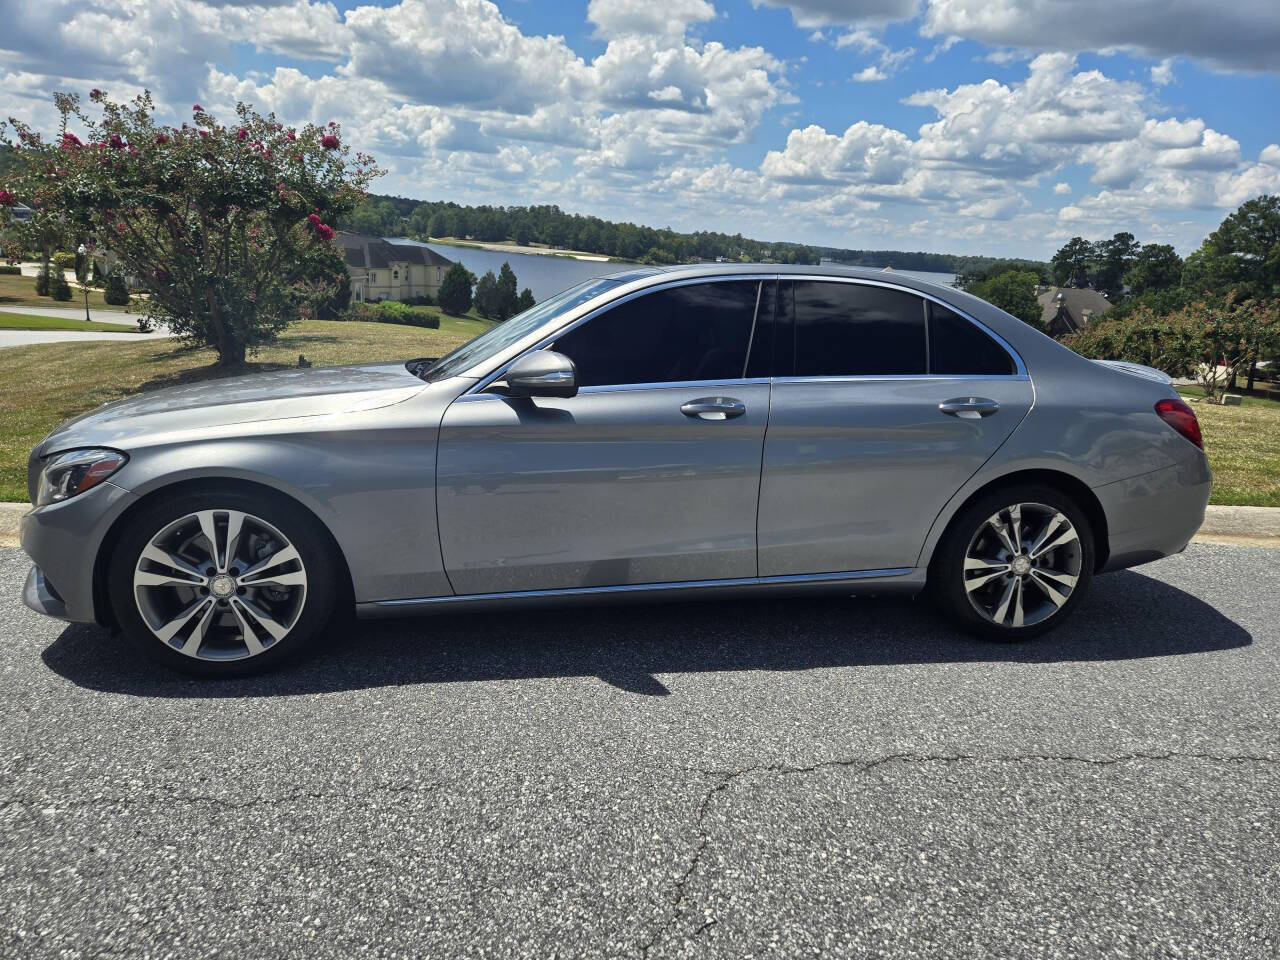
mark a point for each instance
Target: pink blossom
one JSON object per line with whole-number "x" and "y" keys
{"x": 324, "y": 232}
{"x": 161, "y": 139}
{"x": 332, "y": 124}
{"x": 329, "y": 142}
{"x": 70, "y": 141}
{"x": 116, "y": 141}
{"x": 6, "y": 199}
{"x": 204, "y": 133}
{"x": 196, "y": 108}
{"x": 241, "y": 133}
{"x": 291, "y": 135}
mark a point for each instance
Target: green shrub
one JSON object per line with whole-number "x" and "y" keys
{"x": 58, "y": 286}
{"x": 42, "y": 283}
{"x": 64, "y": 261}
{"x": 10, "y": 271}
{"x": 116, "y": 291}
{"x": 392, "y": 311}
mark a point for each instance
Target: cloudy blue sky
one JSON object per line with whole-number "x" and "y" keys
{"x": 971, "y": 126}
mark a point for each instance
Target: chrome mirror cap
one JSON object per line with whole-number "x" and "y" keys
{"x": 543, "y": 373}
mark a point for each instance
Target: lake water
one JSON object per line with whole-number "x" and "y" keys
{"x": 548, "y": 275}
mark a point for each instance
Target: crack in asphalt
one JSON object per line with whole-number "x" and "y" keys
{"x": 861, "y": 766}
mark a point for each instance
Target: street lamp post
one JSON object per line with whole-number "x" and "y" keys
{"x": 84, "y": 278}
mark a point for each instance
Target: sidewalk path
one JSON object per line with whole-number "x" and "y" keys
{"x": 23, "y": 338}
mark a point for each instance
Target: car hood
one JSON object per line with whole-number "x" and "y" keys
{"x": 280, "y": 395}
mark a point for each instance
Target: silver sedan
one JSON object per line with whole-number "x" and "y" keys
{"x": 701, "y": 431}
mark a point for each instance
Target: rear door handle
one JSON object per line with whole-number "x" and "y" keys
{"x": 969, "y": 408}
{"x": 713, "y": 408}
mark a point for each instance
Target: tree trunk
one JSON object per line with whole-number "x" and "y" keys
{"x": 1253, "y": 372}
{"x": 230, "y": 350}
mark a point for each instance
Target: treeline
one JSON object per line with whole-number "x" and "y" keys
{"x": 931, "y": 262}
{"x": 549, "y": 225}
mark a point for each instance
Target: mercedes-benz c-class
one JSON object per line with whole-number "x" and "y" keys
{"x": 699, "y": 431}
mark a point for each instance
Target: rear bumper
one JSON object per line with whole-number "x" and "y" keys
{"x": 64, "y": 539}
{"x": 1155, "y": 514}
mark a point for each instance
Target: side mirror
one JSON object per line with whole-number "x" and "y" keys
{"x": 543, "y": 373}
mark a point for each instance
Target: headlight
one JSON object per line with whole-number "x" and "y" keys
{"x": 76, "y": 471}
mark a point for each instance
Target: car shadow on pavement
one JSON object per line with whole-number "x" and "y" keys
{"x": 1127, "y": 616}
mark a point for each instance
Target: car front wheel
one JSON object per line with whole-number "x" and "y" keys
{"x": 222, "y": 584}
{"x": 1014, "y": 563}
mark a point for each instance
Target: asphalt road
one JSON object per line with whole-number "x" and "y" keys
{"x": 763, "y": 779}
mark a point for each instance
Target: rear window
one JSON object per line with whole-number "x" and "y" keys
{"x": 958, "y": 347}
{"x": 848, "y": 329}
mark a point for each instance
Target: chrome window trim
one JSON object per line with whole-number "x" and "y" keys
{"x": 898, "y": 378}
{"x": 501, "y": 369}
{"x": 797, "y": 578}
{"x": 634, "y": 387}
{"x": 1020, "y": 368}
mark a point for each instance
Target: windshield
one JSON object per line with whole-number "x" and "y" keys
{"x": 492, "y": 342}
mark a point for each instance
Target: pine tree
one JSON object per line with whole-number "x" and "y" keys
{"x": 508, "y": 300}
{"x": 455, "y": 290}
{"x": 487, "y": 300}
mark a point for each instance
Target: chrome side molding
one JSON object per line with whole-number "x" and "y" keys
{"x": 893, "y": 580}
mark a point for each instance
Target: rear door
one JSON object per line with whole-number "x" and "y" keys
{"x": 892, "y": 402}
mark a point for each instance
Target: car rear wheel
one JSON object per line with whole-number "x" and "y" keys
{"x": 1014, "y": 563}
{"x": 222, "y": 584}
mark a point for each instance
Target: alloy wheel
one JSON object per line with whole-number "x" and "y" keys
{"x": 220, "y": 585}
{"x": 1022, "y": 564}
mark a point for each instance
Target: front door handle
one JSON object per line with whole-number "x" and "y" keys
{"x": 969, "y": 408}
{"x": 713, "y": 408}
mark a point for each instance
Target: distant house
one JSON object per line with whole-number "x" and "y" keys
{"x": 381, "y": 270}
{"x": 1065, "y": 310}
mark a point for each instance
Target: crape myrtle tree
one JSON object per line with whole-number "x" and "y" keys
{"x": 227, "y": 226}
{"x": 1208, "y": 340}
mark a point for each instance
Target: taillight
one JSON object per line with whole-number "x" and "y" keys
{"x": 1177, "y": 414}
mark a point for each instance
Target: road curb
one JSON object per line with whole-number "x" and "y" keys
{"x": 10, "y": 514}
{"x": 1242, "y": 526}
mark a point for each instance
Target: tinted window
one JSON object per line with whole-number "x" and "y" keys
{"x": 957, "y": 346}
{"x": 846, "y": 329}
{"x": 695, "y": 332}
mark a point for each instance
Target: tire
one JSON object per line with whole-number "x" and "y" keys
{"x": 973, "y": 573}
{"x": 251, "y": 614}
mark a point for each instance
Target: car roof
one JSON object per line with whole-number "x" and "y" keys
{"x": 693, "y": 270}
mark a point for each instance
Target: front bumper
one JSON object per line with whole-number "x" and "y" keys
{"x": 64, "y": 539}
{"x": 1155, "y": 514}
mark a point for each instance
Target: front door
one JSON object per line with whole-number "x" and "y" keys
{"x": 893, "y": 402}
{"x": 649, "y": 475}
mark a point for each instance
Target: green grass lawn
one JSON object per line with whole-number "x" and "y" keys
{"x": 30, "y": 321}
{"x": 21, "y": 292}
{"x": 45, "y": 384}
{"x": 1243, "y": 444}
